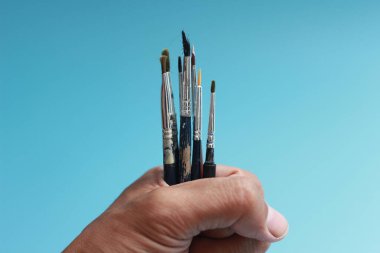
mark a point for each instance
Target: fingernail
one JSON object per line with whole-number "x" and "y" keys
{"x": 277, "y": 224}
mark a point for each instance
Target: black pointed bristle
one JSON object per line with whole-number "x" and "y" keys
{"x": 192, "y": 59}
{"x": 212, "y": 86}
{"x": 163, "y": 59}
{"x": 166, "y": 53}
{"x": 186, "y": 44}
{"x": 179, "y": 64}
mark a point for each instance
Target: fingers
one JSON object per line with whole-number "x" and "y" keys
{"x": 235, "y": 201}
{"x": 232, "y": 244}
{"x": 153, "y": 179}
{"x": 227, "y": 171}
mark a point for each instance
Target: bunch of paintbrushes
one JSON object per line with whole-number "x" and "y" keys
{"x": 182, "y": 164}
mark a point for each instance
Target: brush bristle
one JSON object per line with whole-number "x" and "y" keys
{"x": 186, "y": 44}
{"x": 192, "y": 59}
{"x": 179, "y": 64}
{"x": 163, "y": 60}
{"x": 212, "y": 86}
{"x": 199, "y": 77}
{"x": 166, "y": 53}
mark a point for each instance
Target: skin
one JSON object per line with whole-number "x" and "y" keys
{"x": 224, "y": 214}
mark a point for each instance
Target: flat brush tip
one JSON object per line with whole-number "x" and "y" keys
{"x": 165, "y": 51}
{"x": 186, "y": 44}
{"x": 212, "y": 86}
{"x": 163, "y": 60}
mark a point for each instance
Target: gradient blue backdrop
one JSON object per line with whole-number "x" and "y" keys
{"x": 298, "y": 103}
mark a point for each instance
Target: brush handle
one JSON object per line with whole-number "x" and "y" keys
{"x": 209, "y": 167}
{"x": 185, "y": 149}
{"x": 210, "y": 155}
{"x": 175, "y": 145}
{"x": 197, "y": 164}
{"x": 209, "y": 170}
{"x": 170, "y": 174}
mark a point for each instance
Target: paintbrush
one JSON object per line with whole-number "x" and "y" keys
{"x": 170, "y": 176}
{"x": 209, "y": 165}
{"x": 185, "y": 120}
{"x": 180, "y": 81}
{"x": 197, "y": 163}
{"x": 172, "y": 112}
{"x": 193, "y": 80}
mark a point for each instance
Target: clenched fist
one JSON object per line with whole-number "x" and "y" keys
{"x": 223, "y": 214}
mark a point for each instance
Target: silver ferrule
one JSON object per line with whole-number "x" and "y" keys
{"x": 180, "y": 80}
{"x": 169, "y": 157}
{"x": 165, "y": 104}
{"x": 194, "y": 87}
{"x": 186, "y": 88}
{"x": 211, "y": 123}
{"x": 198, "y": 114}
{"x": 166, "y": 78}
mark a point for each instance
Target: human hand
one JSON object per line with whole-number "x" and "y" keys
{"x": 223, "y": 214}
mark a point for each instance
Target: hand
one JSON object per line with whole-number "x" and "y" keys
{"x": 223, "y": 214}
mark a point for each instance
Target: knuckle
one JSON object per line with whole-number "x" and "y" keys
{"x": 150, "y": 207}
{"x": 258, "y": 186}
{"x": 244, "y": 191}
{"x": 248, "y": 190}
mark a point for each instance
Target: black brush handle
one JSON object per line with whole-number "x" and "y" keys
{"x": 209, "y": 167}
{"x": 209, "y": 170}
{"x": 170, "y": 174}
{"x": 175, "y": 147}
{"x": 185, "y": 149}
{"x": 197, "y": 164}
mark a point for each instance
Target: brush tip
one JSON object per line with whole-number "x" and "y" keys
{"x": 199, "y": 77}
{"x": 192, "y": 59}
{"x": 212, "y": 86}
{"x": 165, "y": 51}
{"x": 179, "y": 64}
{"x": 163, "y": 60}
{"x": 186, "y": 44}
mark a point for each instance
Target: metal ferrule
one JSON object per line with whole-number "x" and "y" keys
{"x": 169, "y": 157}
{"x": 167, "y": 133}
{"x": 166, "y": 79}
{"x": 198, "y": 114}
{"x": 165, "y": 103}
{"x": 186, "y": 88}
{"x": 180, "y": 79}
{"x": 211, "y": 123}
{"x": 194, "y": 87}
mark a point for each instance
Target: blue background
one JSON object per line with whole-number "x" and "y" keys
{"x": 298, "y": 87}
